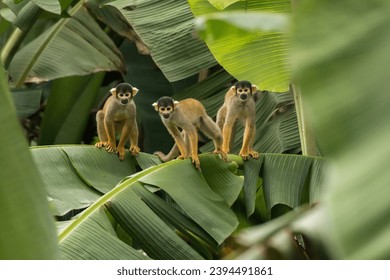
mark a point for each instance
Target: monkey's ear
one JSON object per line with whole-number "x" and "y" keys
{"x": 135, "y": 90}
{"x": 155, "y": 106}
{"x": 233, "y": 88}
{"x": 175, "y": 102}
{"x": 113, "y": 91}
{"x": 254, "y": 89}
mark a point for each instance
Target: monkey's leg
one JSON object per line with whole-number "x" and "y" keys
{"x": 231, "y": 118}
{"x": 227, "y": 134}
{"x": 110, "y": 130}
{"x": 134, "y": 149}
{"x": 221, "y": 116}
{"x": 252, "y": 152}
{"x": 125, "y": 134}
{"x": 179, "y": 141}
{"x": 193, "y": 136}
{"x": 248, "y": 139}
{"x": 232, "y": 135}
{"x": 208, "y": 127}
{"x": 101, "y": 130}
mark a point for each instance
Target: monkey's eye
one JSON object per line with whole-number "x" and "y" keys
{"x": 126, "y": 95}
{"x": 169, "y": 109}
{"x": 239, "y": 90}
{"x": 246, "y": 90}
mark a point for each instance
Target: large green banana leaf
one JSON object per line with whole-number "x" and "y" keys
{"x": 27, "y": 229}
{"x": 73, "y": 46}
{"x": 261, "y": 56}
{"x": 200, "y": 211}
{"x": 167, "y": 27}
{"x": 142, "y": 205}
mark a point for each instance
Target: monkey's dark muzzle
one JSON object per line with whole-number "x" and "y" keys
{"x": 124, "y": 101}
{"x": 243, "y": 96}
{"x": 165, "y": 116}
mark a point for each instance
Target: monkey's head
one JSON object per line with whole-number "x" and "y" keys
{"x": 124, "y": 93}
{"x": 165, "y": 106}
{"x": 244, "y": 89}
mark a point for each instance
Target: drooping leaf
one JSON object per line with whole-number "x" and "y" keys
{"x": 251, "y": 176}
{"x": 284, "y": 179}
{"x": 287, "y": 181}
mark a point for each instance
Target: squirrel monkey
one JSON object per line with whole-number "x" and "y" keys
{"x": 239, "y": 104}
{"x": 118, "y": 116}
{"x": 189, "y": 115}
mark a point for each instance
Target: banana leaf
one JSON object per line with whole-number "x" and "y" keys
{"x": 78, "y": 40}
{"x": 27, "y": 229}
{"x": 248, "y": 38}
{"x": 167, "y": 27}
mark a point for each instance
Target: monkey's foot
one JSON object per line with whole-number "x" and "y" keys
{"x": 248, "y": 154}
{"x": 222, "y": 153}
{"x": 134, "y": 150}
{"x": 225, "y": 150}
{"x": 254, "y": 154}
{"x": 121, "y": 153}
{"x": 110, "y": 148}
{"x": 100, "y": 144}
{"x": 195, "y": 160}
{"x": 181, "y": 157}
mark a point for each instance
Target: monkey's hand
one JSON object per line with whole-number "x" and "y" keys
{"x": 134, "y": 150}
{"x": 222, "y": 153}
{"x": 121, "y": 153}
{"x": 100, "y": 144}
{"x": 110, "y": 147}
{"x": 195, "y": 160}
